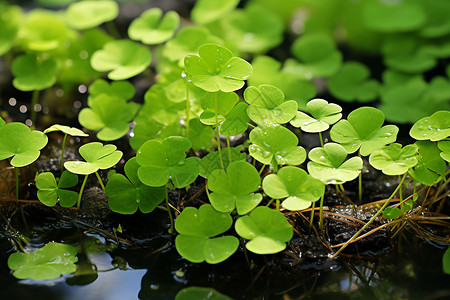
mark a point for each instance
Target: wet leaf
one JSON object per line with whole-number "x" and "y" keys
{"x": 393, "y": 159}
{"x": 50, "y": 192}
{"x": 323, "y": 114}
{"x": 433, "y": 128}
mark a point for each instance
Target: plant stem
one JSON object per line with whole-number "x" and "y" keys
{"x": 188, "y": 107}
{"x": 278, "y": 204}
{"x": 321, "y": 139}
{"x": 312, "y": 215}
{"x": 34, "y": 101}
{"x": 321, "y": 211}
{"x": 100, "y": 181}
{"x": 371, "y": 219}
{"x": 229, "y": 150}
{"x": 217, "y": 131}
{"x": 360, "y": 183}
{"x": 81, "y": 191}
{"x": 62, "y": 151}
{"x": 16, "y": 171}
{"x": 172, "y": 231}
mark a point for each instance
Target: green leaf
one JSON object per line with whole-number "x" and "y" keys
{"x": 392, "y": 212}
{"x": 123, "y": 58}
{"x": 197, "y": 229}
{"x": 328, "y": 164}
{"x": 351, "y": 83}
{"x": 225, "y": 103}
{"x": 194, "y": 292}
{"x": 160, "y": 161}
{"x": 72, "y": 131}
{"x": 323, "y": 115}
{"x": 206, "y": 11}
{"x": 446, "y": 261}
{"x": 444, "y": 146}
{"x": 236, "y": 121}
{"x": 211, "y": 161}
{"x": 88, "y": 14}
{"x": 200, "y": 135}
{"x": 235, "y": 188}
{"x": 430, "y": 166}
{"x": 216, "y": 69}
{"x": 50, "y": 192}
{"x": 362, "y": 130}
{"x": 393, "y": 160}
{"x": 294, "y": 184}
{"x": 48, "y": 262}
{"x": 31, "y": 73}
{"x": 267, "y": 229}
{"x": 433, "y": 128}
{"x": 97, "y": 157}
{"x": 9, "y": 23}
{"x": 18, "y": 141}
{"x": 151, "y": 28}
{"x": 276, "y": 145}
{"x": 118, "y": 89}
{"x": 127, "y": 195}
{"x": 268, "y": 106}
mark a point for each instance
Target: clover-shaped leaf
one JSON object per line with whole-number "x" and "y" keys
{"x": 267, "y": 105}
{"x": 211, "y": 161}
{"x": 9, "y": 23}
{"x": 118, "y": 89}
{"x": 433, "y": 128}
{"x": 48, "y": 262}
{"x": 393, "y": 160}
{"x": 151, "y": 28}
{"x": 294, "y": 184}
{"x": 225, "y": 103}
{"x": 206, "y": 11}
{"x": 197, "y": 239}
{"x": 123, "y": 58}
{"x": 328, "y": 164}
{"x": 444, "y": 146}
{"x": 17, "y": 140}
{"x": 31, "y": 73}
{"x": 323, "y": 114}
{"x": 276, "y": 145}
{"x": 97, "y": 157}
{"x": 268, "y": 230}
{"x": 430, "y": 165}
{"x": 50, "y": 192}
{"x": 351, "y": 83}
{"x": 216, "y": 69}
{"x": 362, "y": 130}
{"x": 148, "y": 129}
{"x": 126, "y": 195}
{"x": 88, "y": 14}
{"x": 200, "y": 135}
{"x": 235, "y": 188}
{"x": 236, "y": 121}
{"x": 161, "y": 161}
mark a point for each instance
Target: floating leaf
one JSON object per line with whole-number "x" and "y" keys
{"x": 151, "y": 28}
{"x": 235, "y": 188}
{"x": 430, "y": 166}
{"x": 393, "y": 160}
{"x": 127, "y": 194}
{"x": 328, "y": 164}
{"x": 31, "y": 73}
{"x": 49, "y": 192}
{"x": 362, "y": 130}
{"x": 206, "y": 11}
{"x": 268, "y": 230}
{"x": 268, "y": 106}
{"x": 294, "y": 184}
{"x": 323, "y": 115}
{"x": 48, "y": 262}
{"x": 195, "y": 292}
{"x": 216, "y": 69}
{"x": 197, "y": 239}
{"x": 211, "y": 162}
{"x": 88, "y": 14}
{"x": 433, "y": 128}
{"x": 97, "y": 157}
{"x": 161, "y": 161}
{"x": 123, "y": 58}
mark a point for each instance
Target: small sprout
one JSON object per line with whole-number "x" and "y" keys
{"x": 31, "y": 73}
{"x": 197, "y": 239}
{"x": 430, "y": 166}
{"x": 216, "y": 69}
{"x": 323, "y": 114}
{"x": 362, "y": 130}
{"x": 268, "y": 106}
{"x": 50, "y": 191}
{"x": 351, "y": 83}
{"x": 123, "y": 58}
{"x": 48, "y": 262}
{"x": 433, "y": 128}
{"x": 294, "y": 184}
{"x": 328, "y": 164}
{"x": 393, "y": 160}
{"x": 444, "y": 146}
{"x": 268, "y": 230}
{"x": 126, "y": 195}
{"x": 162, "y": 161}
{"x": 88, "y": 14}
{"x": 211, "y": 161}
{"x": 206, "y": 11}
{"x": 276, "y": 145}
{"x": 235, "y": 188}
{"x": 151, "y": 28}
{"x": 195, "y": 292}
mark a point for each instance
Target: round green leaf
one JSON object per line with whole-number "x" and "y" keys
{"x": 392, "y": 212}
{"x": 430, "y": 165}
{"x": 225, "y": 103}
{"x": 433, "y": 128}
{"x": 206, "y": 11}
{"x": 393, "y": 160}
{"x": 268, "y": 230}
{"x": 323, "y": 115}
{"x": 72, "y": 131}
{"x": 31, "y": 73}
{"x": 444, "y": 146}
{"x": 50, "y": 192}
{"x": 88, "y": 14}
{"x": 118, "y": 89}
{"x": 123, "y": 58}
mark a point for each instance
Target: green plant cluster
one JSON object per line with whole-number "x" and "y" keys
{"x": 206, "y": 93}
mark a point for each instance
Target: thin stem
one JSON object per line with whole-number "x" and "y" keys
{"x": 188, "y": 107}
{"x": 262, "y": 169}
{"x": 321, "y": 212}
{"x": 321, "y": 139}
{"x": 100, "y": 181}
{"x": 359, "y": 183}
{"x": 217, "y": 131}
{"x": 371, "y": 219}
{"x": 16, "y": 171}
{"x": 172, "y": 231}
{"x": 34, "y": 102}
{"x": 312, "y": 215}
{"x": 229, "y": 149}
{"x": 62, "y": 151}
{"x": 81, "y": 191}
{"x": 278, "y": 204}
{"x": 270, "y": 202}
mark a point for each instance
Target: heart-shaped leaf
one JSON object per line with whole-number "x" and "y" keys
{"x": 118, "y": 89}
{"x": 268, "y": 230}
{"x": 393, "y": 160}
{"x": 433, "y": 128}
{"x": 294, "y": 184}
{"x": 211, "y": 161}
{"x": 50, "y": 192}
{"x": 430, "y": 166}
{"x": 322, "y": 116}
{"x": 328, "y": 164}
{"x": 31, "y": 73}
{"x": 197, "y": 229}
{"x": 88, "y": 14}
